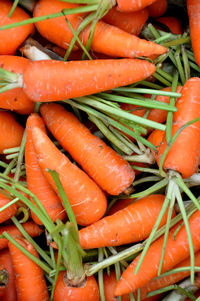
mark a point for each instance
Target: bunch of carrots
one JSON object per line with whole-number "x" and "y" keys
{"x": 99, "y": 150}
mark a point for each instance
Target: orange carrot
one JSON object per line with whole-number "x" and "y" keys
{"x": 156, "y": 138}
{"x": 87, "y": 200}
{"x": 6, "y": 214}
{"x": 193, "y": 8}
{"x": 172, "y": 23}
{"x": 12, "y": 38}
{"x": 158, "y": 8}
{"x": 139, "y": 218}
{"x": 10, "y": 293}
{"x": 109, "y": 170}
{"x": 30, "y": 281}
{"x": 183, "y": 156}
{"x": 120, "y": 204}
{"x": 30, "y": 227}
{"x": 15, "y": 99}
{"x": 133, "y": 5}
{"x": 87, "y": 291}
{"x": 36, "y": 181}
{"x": 11, "y": 131}
{"x": 176, "y": 251}
{"x": 107, "y": 39}
{"x": 130, "y": 22}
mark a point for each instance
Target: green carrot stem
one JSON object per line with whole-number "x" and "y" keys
{"x": 186, "y": 64}
{"x": 171, "y": 56}
{"x": 145, "y": 180}
{"x": 162, "y": 290}
{"x": 179, "y": 270}
{"x": 150, "y": 190}
{"x": 145, "y": 169}
{"x": 164, "y": 74}
{"x": 15, "y": 200}
{"x": 194, "y": 66}
{"x": 12, "y": 156}
{"x": 10, "y": 166}
{"x": 162, "y": 79}
{"x": 177, "y": 42}
{"x": 9, "y": 76}
{"x": 90, "y": 37}
{"x": 154, "y": 32}
{"x": 11, "y": 150}
{"x": 13, "y": 8}
{"x": 160, "y": 59}
{"x": 147, "y": 91}
{"x": 58, "y": 265}
{"x": 151, "y": 85}
{"x": 162, "y": 38}
{"x": 100, "y": 276}
{"x": 25, "y": 212}
{"x": 20, "y": 157}
{"x": 144, "y": 158}
{"x": 179, "y": 65}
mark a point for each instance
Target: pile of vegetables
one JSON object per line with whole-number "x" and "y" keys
{"x": 100, "y": 150}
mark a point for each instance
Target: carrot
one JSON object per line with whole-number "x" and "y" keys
{"x": 15, "y": 99}
{"x": 133, "y": 5}
{"x": 172, "y": 23}
{"x": 193, "y": 8}
{"x": 86, "y": 291}
{"x": 30, "y": 227}
{"x": 36, "y": 181}
{"x": 131, "y": 22}
{"x": 10, "y": 293}
{"x": 12, "y": 38}
{"x": 176, "y": 251}
{"x": 30, "y": 281}
{"x": 120, "y": 204}
{"x": 107, "y": 39}
{"x": 183, "y": 156}
{"x": 109, "y": 170}
{"x": 11, "y": 131}
{"x": 87, "y": 200}
{"x": 139, "y": 218}
{"x": 158, "y": 8}
{"x": 6, "y": 214}
{"x": 156, "y": 138}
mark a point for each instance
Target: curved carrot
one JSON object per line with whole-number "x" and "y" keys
{"x": 36, "y": 181}
{"x": 30, "y": 281}
{"x": 107, "y": 39}
{"x": 172, "y": 23}
{"x": 12, "y": 38}
{"x": 139, "y": 218}
{"x": 158, "y": 8}
{"x": 88, "y": 291}
{"x": 11, "y": 131}
{"x": 133, "y": 5}
{"x": 10, "y": 293}
{"x": 130, "y": 22}
{"x": 193, "y": 8}
{"x": 109, "y": 170}
{"x": 183, "y": 156}
{"x": 176, "y": 251}
{"x": 30, "y": 227}
{"x": 15, "y": 99}
{"x": 86, "y": 198}
{"x": 6, "y": 214}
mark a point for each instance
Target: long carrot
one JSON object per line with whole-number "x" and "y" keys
{"x": 130, "y": 22}
{"x": 139, "y": 218}
{"x": 133, "y": 5}
{"x": 15, "y": 99}
{"x": 7, "y": 213}
{"x": 176, "y": 251}
{"x": 11, "y": 131}
{"x": 36, "y": 181}
{"x": 30, "y": 227}
{"x": 107, "y": 39}
{"x": 158, "y": 8}
{"x": 12, "y": 38}
{"x": 30, "y": 281}
{"x": 109, "y": 170}
{"x": 184, "y": 153}
{"x": 86, "y": 198}
{"x": 193, "y": 8}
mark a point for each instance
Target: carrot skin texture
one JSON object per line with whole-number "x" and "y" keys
{"x": 172, "y": 23}
{"x": 36, "y": 181}
{"x": 158, "y": 8}
{"x": 52, "y": 80}
{"x": 109, "y": 170}
{"x": 133, "y": 5}
{"x": 88, "y": 292}
{"x": 120, "y": 204}
{"x": 176, "y": 251}
{"x": 30, "y": 281}
{"x": 30, "y": 227}
{"x": 112, "y": 230}
{"x": 179, "y": 157}
{"x": 11, "y": 131}
{"x": 6, "y": 214}
{"x": 193, "y": 8}
{"x": 13, "y": 38}
{"x": 86, "y": 198}
{"x": 129, "y": 22}
{"x": 15, "y": 99}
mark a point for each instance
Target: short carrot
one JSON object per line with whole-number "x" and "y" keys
{"x": 36, "y": 181}
{"x": 158, "y": 8}
{"x": 30, "y": 281}
{"x": 11, "y": 131}
{"x": 183, "y": 156}
{"x": 12, "y": 38}
{"x": 86, "y": 198}
{"x": 193, "y": 8}
{"x": 107, "y": 39}
{"x": 7, "y": 213}
{"x": 30, "y": 227}
{"x": 139, "y": 218}
{"x": 15, "y": 99}
{"x": 176, "y": 251}
{"x": 133, "y": 5}
{"x": 131, "y": 22}
{"x": 109, "y": 170}
{"x": 172, "y": 23}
